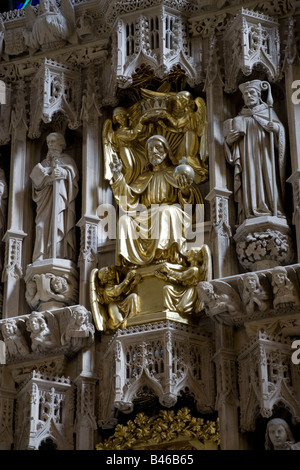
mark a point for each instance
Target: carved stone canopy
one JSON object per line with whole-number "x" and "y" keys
{"x": 251, "y": 39}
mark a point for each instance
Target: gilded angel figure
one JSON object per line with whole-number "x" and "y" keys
{"x": 183, "y": 122}
{"x": 180, "y": 294}
{"x": 113, "y": 302}
{"x": 123, "y": 138}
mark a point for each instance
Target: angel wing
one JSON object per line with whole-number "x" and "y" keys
{"x": 2, "y": 31}
{"x": 98, "y": 309}
{"x": 53, "y": 325}
{"x": 202, "y": 128}
{"x": 206, "y": 270}
{"x": 68, "y": 12}
{"x": 30, "y": 16}
{"x": 223, "y": 287}
{"x": 107, "y": 136}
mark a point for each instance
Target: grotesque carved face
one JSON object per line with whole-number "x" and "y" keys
{"x": 81, "y": 316}
{"x": 45, "y": 4}
{"x": 279, "y": 278}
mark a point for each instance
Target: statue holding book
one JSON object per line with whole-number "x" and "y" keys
{"x": 55, "y": 187}
{"x": 255, "y": 145}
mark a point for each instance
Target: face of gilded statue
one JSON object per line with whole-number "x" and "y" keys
{"x": 107, "y": 275}
{"x": 277, "y": 434}
{"x": 120, "y": 117}
{"x": 156, "y": 152}
{"x": 251, "y": 97}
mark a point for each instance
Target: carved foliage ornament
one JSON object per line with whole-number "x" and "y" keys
{"x": 165, "y": 431}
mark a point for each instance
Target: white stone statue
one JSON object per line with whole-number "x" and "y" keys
{"x": 249, "y": 148}
{"x": 279, "y": 436}
{"x": 50, "y": 25}
{"x": 253, "y": 295}
{"x": 80, "y": 330}
{"x": 14, "y": 340}
{"x": 283, "y": 288}
{"x": 42, "y": 338}
{"x": 55, "y": 187}
{"x": 156, "y": 233}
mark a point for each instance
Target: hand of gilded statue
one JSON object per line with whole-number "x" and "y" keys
{"x": 137, "y": 278}
{"x": 233, "y": 136}
{"x": 116, "y": 166}
{"x": 131, "y": 275}
{"x": 161, "y": 275}
{"x": 184, "y": 184}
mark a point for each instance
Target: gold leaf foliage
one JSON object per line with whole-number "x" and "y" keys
{"x": 168, "y": 428}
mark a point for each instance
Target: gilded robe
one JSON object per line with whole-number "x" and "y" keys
{"x": 153, "y": 224}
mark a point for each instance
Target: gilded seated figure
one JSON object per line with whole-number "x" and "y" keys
{"x": 112, "y": 301}
{"x": 180, "y": 293}
{"x": 155, "y": 155}
{"x": 155, "y": 233}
